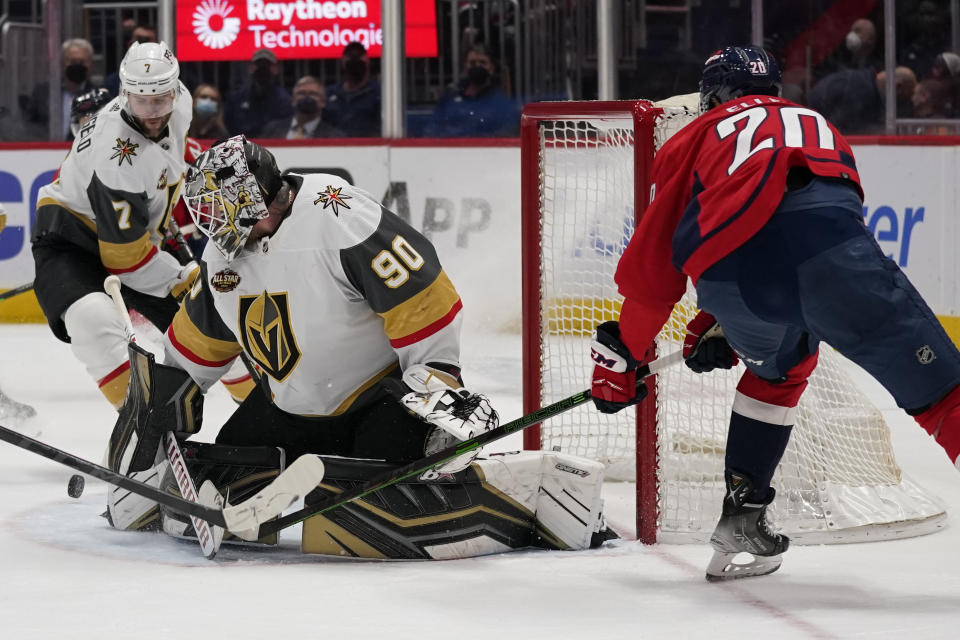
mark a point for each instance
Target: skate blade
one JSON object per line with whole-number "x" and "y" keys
{"x": 722, "y": 566}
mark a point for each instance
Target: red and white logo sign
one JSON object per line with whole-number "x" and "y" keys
{"x": 213, "y": 25}
{"x": 210, "y": 30}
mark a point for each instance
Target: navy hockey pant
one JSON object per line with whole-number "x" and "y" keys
{"x": 815, "y": 273}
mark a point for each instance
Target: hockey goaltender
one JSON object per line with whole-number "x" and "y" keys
{"x": 354, "y": 329}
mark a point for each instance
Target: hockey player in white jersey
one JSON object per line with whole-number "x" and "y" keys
{"x": 106, "y": 212}
{"x": 355, "y": 325}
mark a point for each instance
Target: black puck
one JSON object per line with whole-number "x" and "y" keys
{"x": 75, "y": 486}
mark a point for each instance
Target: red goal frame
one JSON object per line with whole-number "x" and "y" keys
{"x": 643, "y": 114}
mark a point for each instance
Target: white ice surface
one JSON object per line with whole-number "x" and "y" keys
{"x": 65, "y": 574}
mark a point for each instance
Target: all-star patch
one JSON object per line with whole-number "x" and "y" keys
{"x": 225, "y": 280}
{"x": 124, "y": 150}
{"x": 332, "y": 198}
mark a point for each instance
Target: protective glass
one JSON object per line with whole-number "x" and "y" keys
{"x": 150, "y": 106}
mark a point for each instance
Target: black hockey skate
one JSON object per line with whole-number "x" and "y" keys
{"x": 743, "y": 528}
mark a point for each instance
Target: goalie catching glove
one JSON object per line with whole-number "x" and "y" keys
{"x": 704, "y": 347}
{"x": 456, "y": 414}
{"x": 614, "y": 385}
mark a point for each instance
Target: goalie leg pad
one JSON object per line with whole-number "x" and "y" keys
{"x": 508, "y": 502}
{"x": 562, "y": 490}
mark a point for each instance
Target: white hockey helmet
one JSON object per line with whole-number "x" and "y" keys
{"x": 228, "y": 190}
{"x": 149, "y": 80}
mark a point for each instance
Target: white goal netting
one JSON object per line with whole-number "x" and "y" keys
{"x": 837, "y": 482}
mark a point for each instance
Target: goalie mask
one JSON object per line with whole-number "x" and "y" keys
{"x": 732, "y": 72}
{"x": 228, "y": 191}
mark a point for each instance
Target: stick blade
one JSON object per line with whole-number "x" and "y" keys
{"x": 297, "y": 480}
{"x": 208, "y": 496}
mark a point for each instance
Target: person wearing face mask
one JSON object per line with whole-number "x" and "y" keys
{"x": 353, "y": 105}
{"x": 307, "y": 121}
{"x": 477, "y": 107}
{"x": 207, "y": 123}
{"x": 77, "y": 59}
{"x": 249, "y": 108}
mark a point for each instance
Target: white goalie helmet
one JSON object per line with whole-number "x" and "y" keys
{"x": 149, "y": 80}
{"x": 228, "y": 190}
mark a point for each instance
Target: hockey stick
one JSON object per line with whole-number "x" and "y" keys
{"x": 296, "y": 480}
{"x": 247, "y": 516}
{"x": 16, "y": 291}
{"x": 208, "y": 537}
{"x": 393, "y": 476}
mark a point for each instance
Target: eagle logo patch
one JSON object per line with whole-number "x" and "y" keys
{"x": 332, "y": 198}
{"x": 225, "y": 280}
{"x": 124, "y": 150}
{"x": 267, "y": 334}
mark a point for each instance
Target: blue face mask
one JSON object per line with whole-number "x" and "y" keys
{"x": 206, "y": 107}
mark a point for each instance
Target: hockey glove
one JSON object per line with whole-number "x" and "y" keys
{"x": 614, "y": 384}
{"x": 705, "y": 348}
{"x": 188, "y": 275}
{"x": 456, "y": 414}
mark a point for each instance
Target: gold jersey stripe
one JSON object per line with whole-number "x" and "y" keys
{"x": 127, "y": 256}
{"x": 196, "y": 346}
{"x": 46, "y": 202}
{"x": 422, "y": 310}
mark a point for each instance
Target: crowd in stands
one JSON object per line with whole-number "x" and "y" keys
{"x": 263, "y": 108}
{"x": 833, "y": 67}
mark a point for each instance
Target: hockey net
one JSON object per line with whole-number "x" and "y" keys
{"x": 585, "y": 174}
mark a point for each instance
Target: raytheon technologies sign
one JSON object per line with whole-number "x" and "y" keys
{"x": 234, "y": 29}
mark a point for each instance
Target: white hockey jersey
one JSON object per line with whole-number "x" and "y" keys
{"x": 327, "y": 306}
{"x": 115, "y": 192}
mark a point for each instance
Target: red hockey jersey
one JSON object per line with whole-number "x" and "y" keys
{"x": 715, "y": 184}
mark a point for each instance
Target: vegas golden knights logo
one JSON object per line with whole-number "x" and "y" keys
{"x": 267, "y": 335}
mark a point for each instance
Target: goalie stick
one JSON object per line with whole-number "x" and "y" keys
{"x": 246, "y": 517}
{"x": 393, "y": 476}
{"x": 208, "y": 537}
{"x": 16, "y": 291}
{"x": 296, "y": 480}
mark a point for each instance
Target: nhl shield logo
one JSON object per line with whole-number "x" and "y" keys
{"x": 225, "y": 280}
{"x": 267, "y": 334}
{"x": 925, "y": 355}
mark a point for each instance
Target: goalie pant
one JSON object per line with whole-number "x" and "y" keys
{"x": 508, "y": 501}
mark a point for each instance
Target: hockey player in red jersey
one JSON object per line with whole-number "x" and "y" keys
{"x": 758, "y": 202}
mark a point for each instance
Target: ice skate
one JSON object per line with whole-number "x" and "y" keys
{"x": 743, "y": 528}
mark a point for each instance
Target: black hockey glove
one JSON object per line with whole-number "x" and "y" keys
{"x": 705, "y": 348}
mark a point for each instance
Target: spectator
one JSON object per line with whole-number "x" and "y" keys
{"x": 353, "y": 105}
{"x": 859, "y": 49}
{"x": 853, "y": 99}
{"x": 207, "y": 123}
{"x": 946, "y": 72}
{"x": 478, "y": 107}
{"x": 309, "y": 99}
{"x": 259, "y": 102}
{"x": 77, "y": 61}
{"x": 925, "y": 33}
{"x": 138, "y": 33}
